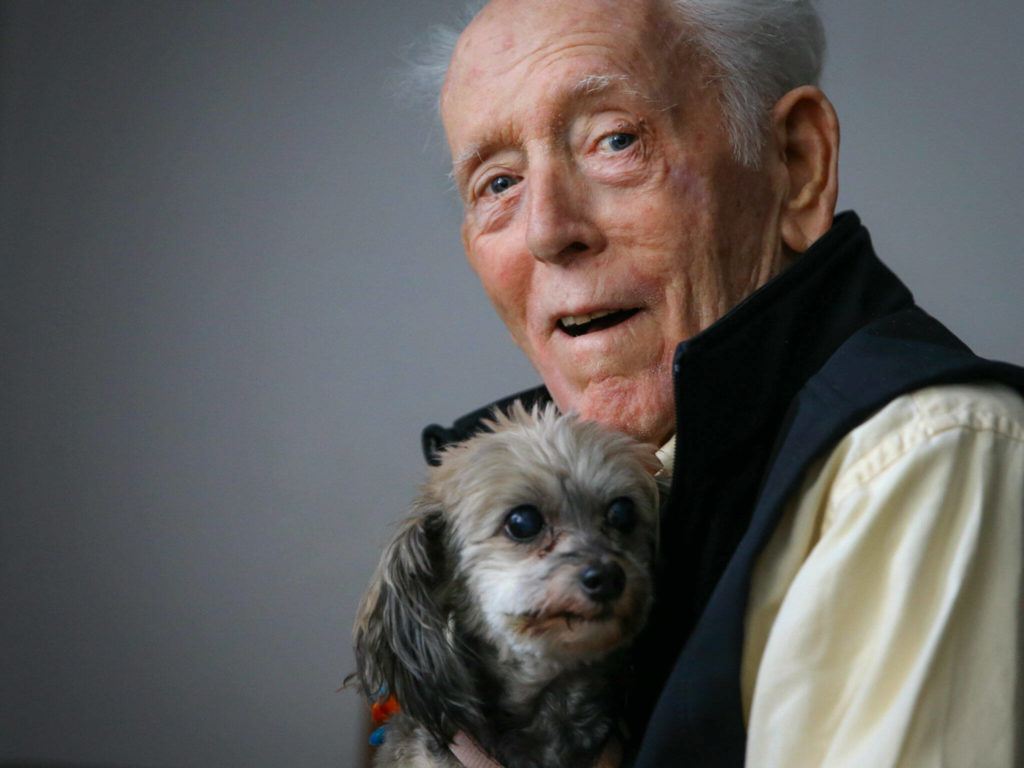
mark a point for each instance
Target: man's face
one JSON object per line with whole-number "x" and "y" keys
{"x": 604, "y": 212}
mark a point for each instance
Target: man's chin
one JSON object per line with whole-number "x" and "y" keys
{"x": 644, "y": 410}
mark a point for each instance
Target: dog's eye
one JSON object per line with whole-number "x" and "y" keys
{"x": 524, "y": 522}
{"x": 621, "y": 514}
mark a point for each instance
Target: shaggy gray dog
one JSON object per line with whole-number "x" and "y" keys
{"x": 500, "y": 610}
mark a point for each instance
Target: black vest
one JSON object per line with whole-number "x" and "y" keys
{"x": 760, "y": 395}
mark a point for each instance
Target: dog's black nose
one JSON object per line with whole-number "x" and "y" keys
{"x": 603, "y": 581}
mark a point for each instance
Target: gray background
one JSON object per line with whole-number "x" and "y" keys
{"x": 232, "y": 292}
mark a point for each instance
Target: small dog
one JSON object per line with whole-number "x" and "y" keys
{"x": 500, "y": 610}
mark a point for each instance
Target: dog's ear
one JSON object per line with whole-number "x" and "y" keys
{"x": 402, "y": 638}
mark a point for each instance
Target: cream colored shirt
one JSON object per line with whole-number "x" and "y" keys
{"x": 884, "y": 624}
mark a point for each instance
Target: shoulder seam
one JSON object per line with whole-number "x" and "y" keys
{"x": 906, "y": 438}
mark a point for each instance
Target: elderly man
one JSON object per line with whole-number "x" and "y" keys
{"x": 649, "y": 191}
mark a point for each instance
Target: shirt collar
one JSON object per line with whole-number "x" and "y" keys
{"x": 667, "y": 456}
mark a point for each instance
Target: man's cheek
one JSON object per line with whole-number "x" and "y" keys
{"x": 508, "y": 287}
{"x": 687, "y": 183}
{"x": 513, "y": 272}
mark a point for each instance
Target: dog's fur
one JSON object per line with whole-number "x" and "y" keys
{"x": 478, "y": 632}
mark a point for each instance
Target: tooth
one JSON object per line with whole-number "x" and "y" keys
{"x": 571, "y": 320}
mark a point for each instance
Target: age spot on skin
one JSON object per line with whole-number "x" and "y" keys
{"x": 686, "y": 182}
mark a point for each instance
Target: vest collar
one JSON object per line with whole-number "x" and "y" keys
{"x": 735, "y": 380}
{"x": 738, "y": 376}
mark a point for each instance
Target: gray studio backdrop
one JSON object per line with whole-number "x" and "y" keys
{"x": 232, "y": 292}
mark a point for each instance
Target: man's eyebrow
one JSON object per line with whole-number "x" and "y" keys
{"x": 465, "y": 159}
{"x": 596, "y": 84}
{"x": 591, "y": 85}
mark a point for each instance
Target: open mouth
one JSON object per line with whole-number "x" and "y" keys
{"x": 580, "y": 325}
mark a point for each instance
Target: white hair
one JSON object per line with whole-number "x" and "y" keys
{"x": 758, "y": 50}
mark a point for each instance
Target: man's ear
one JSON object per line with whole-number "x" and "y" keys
{"x": 807, "y": 136}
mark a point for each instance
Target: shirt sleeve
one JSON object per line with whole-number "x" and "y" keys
{"x": 884, "y": 627}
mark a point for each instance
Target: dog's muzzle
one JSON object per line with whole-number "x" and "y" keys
{"x": 603, "y": 581}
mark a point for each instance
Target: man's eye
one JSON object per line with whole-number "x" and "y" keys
{"x": 616, "y": 142}
{"x": 500, "y": 184}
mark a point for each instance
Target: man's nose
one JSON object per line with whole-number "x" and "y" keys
{"x": 559, "y": 221}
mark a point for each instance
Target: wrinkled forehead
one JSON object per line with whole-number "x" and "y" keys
{"x": 512, "y": 43}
